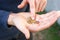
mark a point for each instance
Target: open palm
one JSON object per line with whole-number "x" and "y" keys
{"x": 45, "y": 21}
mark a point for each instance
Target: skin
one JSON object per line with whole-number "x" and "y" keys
{"x": 20, "y": 21}
{"x": 35, "y": 6}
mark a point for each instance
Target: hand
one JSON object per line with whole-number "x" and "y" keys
{"x": 35, "y": 5}
{"x": 20, "y": 21}
{"x": 46, "y": 20}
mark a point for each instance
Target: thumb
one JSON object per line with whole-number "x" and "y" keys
{"x": 24, "y": 2}
{"x": 25, "y": 31}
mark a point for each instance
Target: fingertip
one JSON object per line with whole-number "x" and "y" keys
{"x": 27, "y": 35}
{"x": 22, "y": 4}
{"x": 33, "y": 16}
{"x": 58, "y": 13}
{"x": 19, "y": 6}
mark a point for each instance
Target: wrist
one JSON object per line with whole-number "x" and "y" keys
{"x": 10, "y": 18}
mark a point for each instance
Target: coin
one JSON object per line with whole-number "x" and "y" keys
{"x": 30, "y": 21}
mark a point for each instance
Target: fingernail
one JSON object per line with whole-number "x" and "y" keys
{"x": 27, "y": 36}
{"x": 18, "y": 6}
{"x": 33, "y": 18}
{"x": 37, "y": 19}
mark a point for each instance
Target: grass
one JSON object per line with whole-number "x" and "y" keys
{"x": 53, "y": 32}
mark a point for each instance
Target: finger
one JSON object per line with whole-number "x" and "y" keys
{"x": 51, "y": 18}
{"x": 47, "y": 24}
{"x": 45, "y": 16}
{"x": 25, "y": 31}
{"x": 24, "y": 2}
{"x": 53, "y": 15}
{"x": 50, "y": 13}
{"x": 47, "y": 19}
{"x": 32, "y": 8}
{"x": 41, "y": 4}
{"x": 37, "y": 4}
{"x": 58, "y": 13}
{"x": 44, "y": 24}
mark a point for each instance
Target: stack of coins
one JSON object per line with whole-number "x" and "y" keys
{"x": 30, "y": 21}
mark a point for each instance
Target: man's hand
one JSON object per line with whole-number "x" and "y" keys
{"x": 45, "y": 21}
{"x": 35, "y": 5}
{"x": 20, "y": 21}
